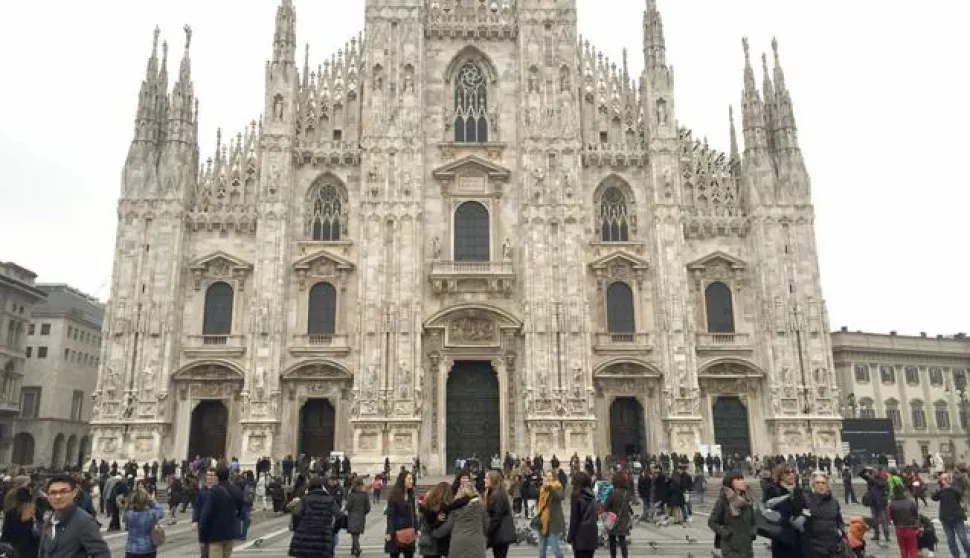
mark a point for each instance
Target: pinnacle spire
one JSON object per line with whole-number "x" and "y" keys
{"x": 151, "y": 95}
{"x": 734, "y": 135}
{"x": 284, "y": 39}
{"x": 654, "y": 45}
{"x": 784, "y": 110}
{"x": 779, "y": 73}
{"x": 753, "y": 110}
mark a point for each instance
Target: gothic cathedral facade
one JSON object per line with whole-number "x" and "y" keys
{"x": 466, "y": 233}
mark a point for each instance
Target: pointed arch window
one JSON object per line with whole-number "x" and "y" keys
{"x": 322, "y": 310}
{"x": 720, "y": 308}
{"x": 614, "y": 216}
{"x": 471, "y": 105}
{"x": 620, "y": 317}
{"x": 217, "y": 316}
{"x": 326, "y": 211}
{"x": 472, "y": 237}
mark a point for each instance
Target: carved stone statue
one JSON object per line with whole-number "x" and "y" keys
{"x": 661, "y": 112}
{"x": 278, "y": 107}
{"x": 507, "y": 249}
{"x": 259, "y": 378}
{"x": 129, "y": 407}
{"x": 436, "y": 248}
{"x": 542, "y": 378}
{"x": 148, "y": 379}
{"x": 405, "y": 375}
{"x": 371, "y": 380}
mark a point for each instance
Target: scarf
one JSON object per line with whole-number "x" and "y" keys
{"x": 736, "y": 501}
{"x": 543, "y": 505}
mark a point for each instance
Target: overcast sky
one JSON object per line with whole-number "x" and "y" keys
{"x": 881, "y": 104}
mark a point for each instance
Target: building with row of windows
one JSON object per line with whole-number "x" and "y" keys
{"x": 919, "y": 382}
{"x": 62, "y": 351}
{"x": 467, "y": 233}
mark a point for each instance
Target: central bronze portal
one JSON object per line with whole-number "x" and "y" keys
{"x": 318, "y": 422}
{"x": 731, "y": 426}
{"x": 627, "y": 434}
{"x": 473, "y": 421}
{"x": 210, "y": 427}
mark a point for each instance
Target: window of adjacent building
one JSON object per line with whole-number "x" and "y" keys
{"x": 30, "y": 329}
{"x": 77, "y": 405}
{"x": 719, "y": 305}
{"x": 912, "y": 375}
{"x": 67, "y": 354}
{"x": 887, "y": 374}
{"x": 924, "y": 448}
{"x": 29, "y": 402}
{"x": 900, "y": 452}
{"x": 936, "y": 376}
{"x": 472, "y": 236}
{"x": 866, "y": 409}
{"x": 70, "y": 330}
{"x": 862, "y": 372}
{"x": 471, "y": 105}
{"x": 41, "y": 352}
{"x": 28, "y": 351}
{"x": 918, "y": 414}
{"x": 217, "y": 316}
{"x": 45, "y": 329}
{"x": 893, "y": 414}
{"x": 942, "y": 413}
{"x": 960, "y": 378}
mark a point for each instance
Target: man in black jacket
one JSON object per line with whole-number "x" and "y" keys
{"x": 219, "y": 519}
{"x": 69, "y": 532}
{"x": 952, "y": 515}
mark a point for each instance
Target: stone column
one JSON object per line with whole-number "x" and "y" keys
{"x": 183, "y": 424}
{"x": 503, "y": 402}
{"x": 444, "y": 370}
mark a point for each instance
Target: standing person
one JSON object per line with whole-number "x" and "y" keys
{"x": 905, "y": 517}
{"x": 219, "y": 519}
{"x": 823, "y": 526}
{"x": 69, "y": 532}
{"x": 466, "y": 524}
{"x": 551, "y": 521}
{"x": 583, "y": 532}
{"x": 433, "y": 513}
{"x": 620, "y": 502}
{"x": 952, "y": 515}
{"x": 18, "y": 523}
{"x": 732, "y": 519}
{"x": 142, "y": 516}
{"x": 877, "y": 502}
{"x": 312, "y": 523}
{"x": 783, "y": 495}
{"x": 400, "y": 534}
{"x": 501, "y": 528}
{"x": 358, "y": 506}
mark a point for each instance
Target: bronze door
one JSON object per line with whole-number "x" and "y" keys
{"x": 318, "y": 422}
{"x": 626, "y": 427}
{"x": 731, "y": 427}
{"x": 473, "y": 423}
{"x": 210, "y": 426}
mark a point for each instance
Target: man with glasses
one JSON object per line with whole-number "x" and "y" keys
{"x": 69, "y": 531}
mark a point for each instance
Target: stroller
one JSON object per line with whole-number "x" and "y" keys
{"x": 926, "y": 539}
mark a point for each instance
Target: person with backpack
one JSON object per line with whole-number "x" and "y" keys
{"x": 583, "y": 534}
{"x": 618, "y": 506}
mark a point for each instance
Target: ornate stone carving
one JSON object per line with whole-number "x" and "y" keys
{"x": 472, "y": 331}
{"x": 220, "y": 266}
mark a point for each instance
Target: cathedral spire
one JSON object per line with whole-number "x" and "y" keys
{"x": 182, "y": 104}
{"x": 785, "y": 112}
{"x": 654, "y": 45}
{"x": 735, "y": 154}
{"x": 770, "y": 102}
{"x": 752, "y": 116}
{"x": 284, "y": 40}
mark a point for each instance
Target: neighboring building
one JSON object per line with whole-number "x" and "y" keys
{"x": 18, "y": 295}
{"x": 63, "y": 351}
{"x": 468, "y": 232}
{"x": 918, "y": 382}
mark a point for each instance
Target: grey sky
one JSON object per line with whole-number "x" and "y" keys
{"x": 879, "y": 97}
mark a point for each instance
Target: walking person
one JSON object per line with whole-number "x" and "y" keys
{"x": 876, "y": 500}
{"x": 141, "y": 518}
{"x": 401, "y": 531}
{"x": 732, "y": 519}
{"x": 620, "y": 503}
{"x": 549, "y": 520}
{"x": 904, "y": 514}
{"x": 219, "y": 519}
{"x": 312, "y": 523}
{"x": 501, "y": 528}
{"x": 358, "y": 506}
{"x": 952, "y": 515}
{"x": 583, "y": 534}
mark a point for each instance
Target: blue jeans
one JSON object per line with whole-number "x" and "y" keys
{"x": 956, "y": 530}
{"x": 879, "y": 517}
{"x": 244, "y": 523}
{"x": 550, "y": 540}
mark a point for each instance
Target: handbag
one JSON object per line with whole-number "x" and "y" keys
{"x": 609, "y": 520}
{"x": 158, "y": 535}
{"x": 405, "y": 537}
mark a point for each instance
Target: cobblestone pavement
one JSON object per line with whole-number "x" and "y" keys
{"x": 269, "y": 537}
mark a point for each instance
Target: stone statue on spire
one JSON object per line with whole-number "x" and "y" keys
{"x": 188, "y": 35}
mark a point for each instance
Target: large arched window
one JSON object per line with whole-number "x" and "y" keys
{"x": 620, "y": 317}
{"x": 941, "y": 413}
{"x": 720, "y": 308}
{"x": 322, "y": 310}
{"x": 217, "y": 317}
{"x": 325, "y": 207}
{"x": 918, "y": 413}
{"x": 614, "y": 222}
{"x": 471, "y": 105}
{"x": 893, "y": 413}
{"x": 472, "y": 237}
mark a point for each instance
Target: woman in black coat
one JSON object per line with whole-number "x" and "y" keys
{"x": 501, "y": 528}
{"x": 620, "y": 502}
{"x": 583, "y": 533}
{"x": 401, "y": 518}
{"x": 433, "y": 512}
{"x": 784, "y": 483}
{"x": 824, "y": 526}
{"x": 18, "y": 524}
{"x": 312, "y": 523}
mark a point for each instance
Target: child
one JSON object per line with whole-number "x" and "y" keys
{"x": 855, "y": 536}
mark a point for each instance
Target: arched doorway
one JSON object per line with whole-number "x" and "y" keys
{"x": 57, "y": 455}
{"x": 731, "y": 430}
{"x": 85, "y": 451}
{"x": 627, "y": 435}
{"x": 23, "y": 449}
{"x": 318, "y": 423}
{"x": 473, "y": 421}
{"x": 70, "y": 458}
{"x": 209, "y": 428}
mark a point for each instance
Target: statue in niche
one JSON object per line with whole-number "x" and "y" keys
{"x": 436, "y": 248}
{"x": 661, "y": 112}
{"x": 372, "y": 378}
{"x": 148, "y": 380}
{"x": 408, "y": 80}
{"x": 533, "y": 81}
{"x": 788, "y": 377}
{"x": 405, "y": 378}
{"x": 110, "y": 381}
{"x": 577, "y": 375}
{"x": 259, "y": 378}
{"x": 542, "y": 378}
{"x": 129, "y": 407}
{"x": 493, "y": 120}
{"x": 507, "y": 250}
{"x": 820, "y": 378}
{"x": 278, "y": 107}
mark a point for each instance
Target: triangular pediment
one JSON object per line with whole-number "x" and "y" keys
{"x": 621, "y": 257}
{"x": 220, "y": 260}
{"x": 715, "y": 259}
{"x": 472, "y": 165}
{"x": 322, "y": 258}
